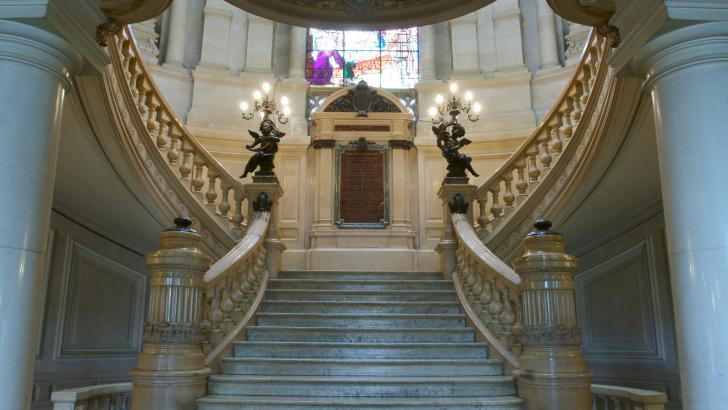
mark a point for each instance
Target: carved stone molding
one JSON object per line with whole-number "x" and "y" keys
{"x": 362, "y": 100}
{"x": 319, "y": 144}
{"x": 173, "y": 333}
{"x": 401, "y": 144}
{"x": 551, "y": 336}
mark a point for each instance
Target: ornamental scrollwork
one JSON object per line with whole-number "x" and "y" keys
{"x": 559, "y": 335}
{"x": 173, "y": 333}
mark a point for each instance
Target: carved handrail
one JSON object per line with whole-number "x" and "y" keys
{"x": 552, "y": 141}
{"x": 115, "y": 396}
{"x": 488, "y": 290}
{"x": 618, "y": 397}
{"x": 213, "y": 188}
{"x": 235, "y": 286}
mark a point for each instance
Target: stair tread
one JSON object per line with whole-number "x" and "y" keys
{"x": 362, "y": 379}
{"x": 360, "y": 401}
{"x": 359, "y": 360}
{"x": 365, "y": 291}
{"x": 364, "y": 315}
{"x": 364, "y": 329}
{"x": 354, "y": 302}
{"x": 363, "y": 281}
{"x": 363, "y": 344}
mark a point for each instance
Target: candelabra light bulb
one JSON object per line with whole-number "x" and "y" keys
{"x": 266, "y": 87}
{"x": 477, "y": 107}
{"x": 262, "y": 115}
{"x": 257, "y": 95}
{"x": 243, "y": 106}
{"x": 287, "y": 110}
{"x": 439, "y": 99}
{"x": 432, "y": 111}
{"x": 453, "y": 88}
{"x": 284, "y": 100}
{"x": 468, "y": 96}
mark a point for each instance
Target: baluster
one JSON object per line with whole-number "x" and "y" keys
{"x": 226, "y": 306}
{"x": 533, "y": 171}
{"x": 142, "y": 98}
{"x": 555, "y": 143}
{"x": 215, "y": 316}
{"x": 154, "y": 108}
{"x": 205, "y": 323}
{"x": 483, "y": 220}
{"x": 478, "y": 291}
{"x": 211, "y": 194}
{"x": 585, "y": 88}
{"x": 224, "y": 206}
{"x": 185, "y": 166}
{"x": 495, "y": 308}
{"x": 543, "y": 147}
{"x": 495, "y": 207}
{"x": 507, "y": 318}
{"x": 521, "y": 184}
{"x": 576, "y": 101}
{"x": 593, "y": 64}
{"x": 133, "y": 78}
{"x": 173, "y": 153}
{"x": 163, "y": 134}
{"x": 508, "y": 196}
{"x": 125, "y": 57}
{"x": 517, "y": 329}
{"x": 237, "y": 218}
{"x": 197, "y": 181}
{"x": 485, "y": 299}
{"x": 567, "y": 127}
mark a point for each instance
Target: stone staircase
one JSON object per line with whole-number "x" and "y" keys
{"x": 343, "y": 340}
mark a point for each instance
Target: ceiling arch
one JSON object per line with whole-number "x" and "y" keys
{"x": 360, "y": 14}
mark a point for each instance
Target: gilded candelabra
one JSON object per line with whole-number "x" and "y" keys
{"x": 265, "y": 105}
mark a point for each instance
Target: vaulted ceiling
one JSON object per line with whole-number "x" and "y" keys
{"x": 360, "y": 14}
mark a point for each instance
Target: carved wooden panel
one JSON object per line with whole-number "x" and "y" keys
{"x": 362, "y": 198}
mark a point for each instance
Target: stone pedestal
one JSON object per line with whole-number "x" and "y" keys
{"x": 553, "y": 373}
{"x": 447, "y": 246}
{"x": 273, "y": 245}
{"x": 171, "y": 374}
{"x": 36, "y": 69}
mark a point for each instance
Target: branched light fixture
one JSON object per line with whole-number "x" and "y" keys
{"x": 265, "y": 105}
{"x": 453, "y": 106}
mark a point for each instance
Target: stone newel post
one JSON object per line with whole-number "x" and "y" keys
{"x": 553, "y": 373}
{"x": 447, "y": 246}
{"x": 171, "y": 372}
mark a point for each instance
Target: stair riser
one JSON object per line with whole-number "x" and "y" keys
{"x": 360, "y": 276}
{"x": 362, "y": 389}
{"x": 402, "y": 286}
{"x": 357, "y": 369}
{"x": 474, "y": 352}
{"x": 362, "y": 297}
{"x": 363, "y": 336}
{"x": 346, "y": 308}
{"x": 263, "y": 320}
{"x": 334, "y": 406}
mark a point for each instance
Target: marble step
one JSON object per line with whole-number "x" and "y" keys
{"x": 347, "y": 275}
{"x": 405, "y": 285}
{"x": 360, "y": 320}
{"x": 298, "y": 349}
{"x": 362, "y": 386}
{"x": 227, "y": 402}
{"x": 344, "y": 307}
{"x": 363, "y": 335}
{"x": 363, "y": 295}
{"x": 359, "y": 367}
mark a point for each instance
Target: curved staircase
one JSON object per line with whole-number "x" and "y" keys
{"x": 343, "y": 340}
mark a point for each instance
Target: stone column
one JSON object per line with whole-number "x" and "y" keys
{"x": 216, "y": 35}
{"x": 509, "y": 42}
{"x": 177, "y": 37}
{"x": 238, "y": 41}
{"x": 547, "y": 35}
{"x": 36, "y": 69}
{"x": 553, "y": 373}
{"x": 273, "y": 245}
{"x": 427, "y": 53}
{"x": 464, "y": 37}
{"x": 297, "y": 58}
{"x": 486, "y": 39}
{"x": 447, "y": 246}
{"x": 686, "y": 73}
{"x": 323, "y": 192}
{"x": 171, "y": 373}
{"x": 259, "y": 57}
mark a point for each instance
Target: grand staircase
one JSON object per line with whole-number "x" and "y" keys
{"x": 345, "y": 340}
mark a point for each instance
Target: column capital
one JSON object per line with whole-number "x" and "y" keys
{"x": 32, "y": 46}
{"x": 645, "y": 22}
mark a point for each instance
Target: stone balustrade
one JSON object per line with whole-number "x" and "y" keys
{"x": 213, "y": 187}
{"x": 516, "y": 180}
{"x": 626, "y": 398}
{"x": 115, "y": 396}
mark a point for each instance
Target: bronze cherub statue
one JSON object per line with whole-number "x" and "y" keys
{"x": 450, "y": 143}
{"x": 263, "y": 156}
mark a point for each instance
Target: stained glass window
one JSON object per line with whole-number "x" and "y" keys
{"x": 386, "y": 59}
